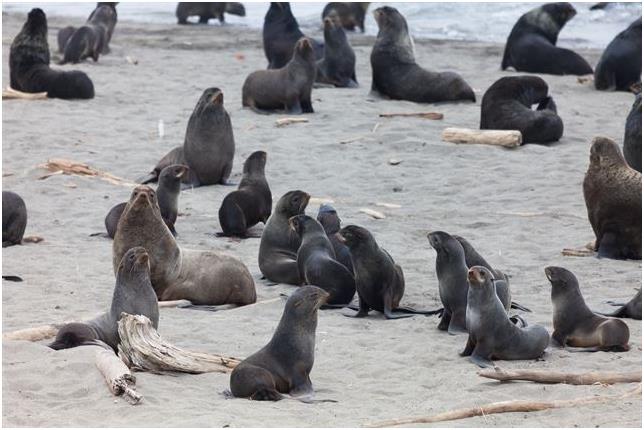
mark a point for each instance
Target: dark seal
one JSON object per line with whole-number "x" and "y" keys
{"x": 14, "y": 219}
{"x": 531, "y": 44}
{"x": 633, "y": 135}
{"x": 492, "y": 336}
{"x": 632, "y": 309}
{"x": 351, "y": 14}
{"x": 331, "y": 222}
{"x": 29, "y": 69}
{"x": 207, "y": 11}
{"x": 338, "y": 67}
{"x": 133, "y": 294}
{"x": 91, "y": 39}
{"x": 317, "y": 264}
{"x": 620, "y": 66}
{"x": 397, "y": 75}
{"x": 576, "y": 325}
{"x": 613, "y": 195}
{"x": 288, "y": 88}
{"x": 507, "y": 105}
{"x": 251, "y": 203}
{"x": 66, "y": 32}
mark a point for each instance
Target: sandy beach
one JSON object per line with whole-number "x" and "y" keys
{"x": 519, "y": 208}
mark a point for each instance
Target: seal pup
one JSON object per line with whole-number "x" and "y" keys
{"x": 288, "y": 88}
{"x": 29, "y": 69}
{"x": 90, "y": 40}
{"x": 492, "y": 336}
{"x": 620, "y": 66}
{"x": 531, "y": 44}
{"x": 331, "y": 222}
{"x": 167, "y": 193}
{"x": 207, "y": 11}
{"x": 280, "y": 34}
{"x": 507, "y": 105}
{"x": 133, "y": 294}
{"x": 14, "y": 218}
{"x": 209, "y": 145}
{"x": 283, "y": 366}
{"x": 203, "y": 277}
{"x": 350, "y": 14}
{"x": 577, "y": 326}
{"x": 317, "y": 264}
{"x": 633, "y": 135}
{"x": 613, "y": 195}
{"x": 338, "y": 66}
{"x": 251, "y": 203}
{"x": 632, "y": 309}
{"x": 279, "y": 243}
{"x": 397, "y": 75}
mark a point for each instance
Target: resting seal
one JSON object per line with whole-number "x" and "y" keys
{"x": 620, "y": 66}
{"x": 285, "y": 363}
{"x": 613, "y": 194}
{"x": 576, "y": 325}
{"x": 133, "y": 294}
{"x": 633, "y": 135}
{"x": 330, "y": 221}
{"x": 351, "y": 14}
{"x": 632, "y": 309}
{"x": 14, "y": 218}
{"x": 91, "y": 39}
{"x": 207, "y": 11}
{"x": 491, "y": 333}
{"x": 29, "y": 69}
{"x": 209, "y": 145}
{"x": 507, "y": 105}
{"x": 531, "y": 44}
{"x": 316, "y": 261}
{"x": 397, "y": 75}
{"x": 203, "y": 277}
{"x": 279, "y": 244}
{"x": 338, "y": 67}
{"x": 280, "y": 34}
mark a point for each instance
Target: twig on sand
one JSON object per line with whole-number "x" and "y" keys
{"x": 587, "y": 251}
{"x": 286, "y": 121}
{"x": 550, "y": 377}
{"x": 69, "y": 167}
{"x": 118, "y": 377}
{"x": 505, "y": 138}
{"x": 11, "y": 94}
{"x": 372, "y": 213}
{"x": 425, "y": 115}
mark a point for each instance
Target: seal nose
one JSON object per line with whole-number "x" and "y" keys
{"x": 143, "y": 258}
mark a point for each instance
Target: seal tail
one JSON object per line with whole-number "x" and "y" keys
{"x": 232, "y": 219}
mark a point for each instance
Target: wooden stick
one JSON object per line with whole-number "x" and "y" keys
{"x": 174, "y": 303}
{"x": 286, "y": 121}
{"x": 33, "y": 334}
{"x": 507, "y": 406}
{"x": 11, "y": 94}
{"x": 549, "y": 377}
{"x": 372, "y": 213}
{"x": 505, "y": 138}
{"x": 426, "y": 115}
{"x": 71, "y": 167}
{"x": 142, "y": 348}
{"x": 117, "y": 376}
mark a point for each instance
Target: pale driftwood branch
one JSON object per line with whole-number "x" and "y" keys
{"x": 117, "y": 376}
{"x": 33, "y": 334}
{"x": 372, "y": 213}
{"x": 70, "y": 167}
{"x": 507, "y": 406}
{"x": 174, "y": 303}
{"x": 286, "y": 121}
{"x": 320, "y": 200}
{"x": 549, "y": 377}
{"x": 587, "y": 251}
{"x": 586, "y": 79}
{"x": 11, "y": 94}
{"x": 505, "y": 138}
{"x": 388, "y": 205}
{"x": 142, "y": 348}
{"x": 425, "y": 115}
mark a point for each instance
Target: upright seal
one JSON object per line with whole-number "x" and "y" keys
{"x": 91, "y": 39}
{"x": 633, "y": 135}
{"x": 351, "y": 14}
{"x": 331, "y": 222}
{"x": 338, "y": 67}
{"x": 14, "y": 218}
{"x": 620, "y": 66}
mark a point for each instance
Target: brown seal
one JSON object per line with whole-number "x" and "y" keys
{"x": 14, "y": 218}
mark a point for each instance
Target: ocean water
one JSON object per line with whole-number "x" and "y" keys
{"x": 490, "y": 22}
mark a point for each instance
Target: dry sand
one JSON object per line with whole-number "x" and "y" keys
{"x": 518, "y": 207}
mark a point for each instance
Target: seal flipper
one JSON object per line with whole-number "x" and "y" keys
{"x": 389, "y": 314}
{"x": 72, "y": 335}
{"x": 443, "y": 325}
{"x": 480, "y": 361}
{"x": 408, "y": 310}
{"x": 469, "y": 347}
{"x": 149, "y": 178}
{"x": 266, "y": 394}
{"x": 515, "y": 305}
{"x": 12, "y": 278}
{"x": 457, "y": 323}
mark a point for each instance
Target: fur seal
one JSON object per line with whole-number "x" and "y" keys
{"x": 167, "y": 194}
{"x": 491, "y": 333}
{"x": 620, "y": 66}
{"x": 209, "y": 145}
{"x": 251, "y": 203}
{"x": 633, "y": 135}
{"x": 397, "y": 75}
{"x": 338, "y": 67}
{"x": 507, "y": 105}
{"x": 207, "y": 11}
{"x": 63, "y": 36}
{"x": 351, "y": 14}
{"x": 288, "y": 88}
{"x": 613, "y": 194}
{"x": 279, "y": 243}
{"x": 29, "y": 69}
{"x": 531, "y": 44}
{"x": 283, "y": 366}
{"x": 133, "y": 294}
{"x": 90, "y": 40}
{"x": 203, "y": 277}
{"x": 576, "y": 325}
{"x": 280, "y": 34}
{"x": 330, "y": 221}
{"x": 632, "y": 309}
{"x": 317, "y": 264}
{"x": 14, "y": 218}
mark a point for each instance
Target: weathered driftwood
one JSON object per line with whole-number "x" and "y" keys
{"x": 505, "y": 138}
{"x": 58, "y": 166}
{"x": 507, "y": 406}
{"x": 286, "y": 121}
{"x": 426, "y": 115}
{"x": 11, "y": 94}
{"x": 142, "y": 348}
{"x": 550, "y": 377}
{"x": 587, "y": 251}
{"x": 32, "y": 239}
{"x": 117, "y": 376}
{"x": 372, "y": 213}
{"x": 174, "y": 303}
{"x": 320, "y": 200}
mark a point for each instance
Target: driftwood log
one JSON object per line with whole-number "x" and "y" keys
{"x": 425, "y": 115}
{"x": 62, "y": 166}
{"x": 372, "y": 213}
{"x": 286, "y": 121}
{"x": 505, "y": 138}
{"x": 507, "y": 406}
{"x": 117, "y": 376}
{"x": 11, "y": 94}
{"x": 142, "y": 348}
{"x": 549, "y": 377}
